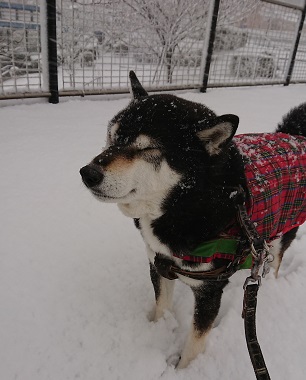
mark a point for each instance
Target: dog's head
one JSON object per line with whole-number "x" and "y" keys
{"x": 152, "y": 145}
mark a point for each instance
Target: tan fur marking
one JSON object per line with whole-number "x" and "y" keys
{"x": 194, "y": 345}
{"x": 277, "y": 252}
{"x": 164, "y": 301}
{"x": 119, "y": 164}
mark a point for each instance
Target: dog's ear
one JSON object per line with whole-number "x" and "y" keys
{"x": 219, "y": 133}
{"x": 137, "y": 90}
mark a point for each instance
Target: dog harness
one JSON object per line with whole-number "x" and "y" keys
{"x": 275, "y": 170}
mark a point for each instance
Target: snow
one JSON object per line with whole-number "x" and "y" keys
{"x": 74, "y": 279}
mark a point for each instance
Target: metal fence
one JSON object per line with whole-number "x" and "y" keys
{"x": 20, "y": 47}
{"x": 76, "y": 47}
{"x": 261, "y": 48}
{"x": 299, "y": 69}
{"x": 99, "y": 43}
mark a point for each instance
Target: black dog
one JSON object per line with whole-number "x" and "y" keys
{"x": 172, "y": 165}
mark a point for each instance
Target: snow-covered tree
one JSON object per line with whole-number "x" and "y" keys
{"x": 163, "y": 33}
{"x": 75, "y": 35}
{"x": 165, "y": 25}
{"x": 177, "y": 25}
{"x": 19, "y": 38}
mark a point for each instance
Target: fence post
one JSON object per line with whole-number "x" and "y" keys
{"x": 52, "y": 51}
{"x": 210, "y": 47}
{"x": 295, "y": 48}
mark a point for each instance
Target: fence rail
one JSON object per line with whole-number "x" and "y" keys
{"x": 78, "y": 47}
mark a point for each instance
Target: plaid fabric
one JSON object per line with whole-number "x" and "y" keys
{"x": 275, "y": 169}
{"x": 212, "y": 249}
{"x": 200, "y": 259}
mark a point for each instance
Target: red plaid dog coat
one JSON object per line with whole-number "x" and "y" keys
{"x": 275, "y": 169}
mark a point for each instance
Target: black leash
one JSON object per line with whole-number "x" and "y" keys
{"x": 260, "y": 252}
{"x": 249, "y": 316}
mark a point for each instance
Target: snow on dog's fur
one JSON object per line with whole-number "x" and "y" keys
{"x": 171, "y": 165}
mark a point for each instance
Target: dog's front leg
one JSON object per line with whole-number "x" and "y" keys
{"x": 207, "y": 304}
{"x": 163, "y": 289}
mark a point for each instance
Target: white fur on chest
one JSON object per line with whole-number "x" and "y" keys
{"x": 152, "y": 242}
{"x": 155, "y": 246}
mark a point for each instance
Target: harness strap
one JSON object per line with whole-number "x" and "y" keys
{"x": 257, "y": 244}
{"x": 216, "y": 275}
{"x": 166, "y": 267}
{"x": 249, "y": 316}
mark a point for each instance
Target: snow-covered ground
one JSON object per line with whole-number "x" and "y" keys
{"x": 75, "y": 291}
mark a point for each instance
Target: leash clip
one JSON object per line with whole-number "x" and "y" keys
{"x": 251, "y": 280}
{"x": 262, "y": 259}
{"x": 266, "y": 266}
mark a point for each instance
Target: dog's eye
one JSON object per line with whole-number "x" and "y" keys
{"x": 148, "y": 149}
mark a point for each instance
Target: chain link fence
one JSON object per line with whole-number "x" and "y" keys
{"x": 169, "y": 44}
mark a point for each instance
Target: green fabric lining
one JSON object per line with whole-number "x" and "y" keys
{"x": 225, "y": 246}
{"x": 209, "y": 248}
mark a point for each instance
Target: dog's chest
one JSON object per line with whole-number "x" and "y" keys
{"x": 150, "y": 238}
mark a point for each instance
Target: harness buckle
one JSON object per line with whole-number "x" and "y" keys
{"x": 164, "y": 266}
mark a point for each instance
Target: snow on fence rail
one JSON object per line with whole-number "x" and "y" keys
{"x": 170, "y": 44}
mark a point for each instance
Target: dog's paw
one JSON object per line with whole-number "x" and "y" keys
{"x": 153, "y": 316}
{"x": 157, "y": 313}
{"x": 174, "y": 360}
{"x": 181, "y": 364}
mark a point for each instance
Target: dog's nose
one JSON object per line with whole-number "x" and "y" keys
{"x": 91, "y": 177}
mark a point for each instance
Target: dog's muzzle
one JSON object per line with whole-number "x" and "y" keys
{"x": 90, "y": 176}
